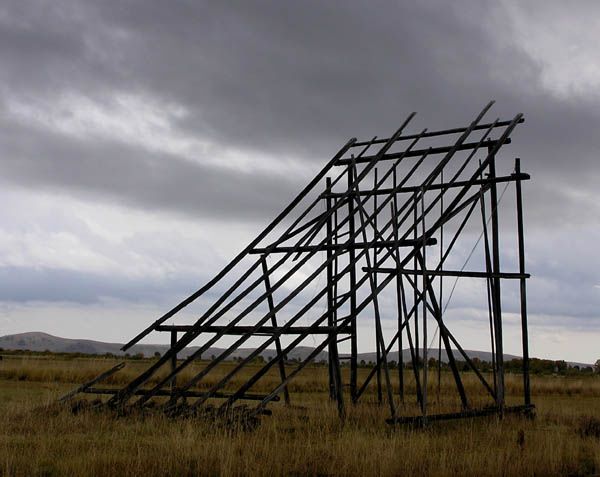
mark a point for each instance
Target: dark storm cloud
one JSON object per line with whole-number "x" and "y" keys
{"x": 132, "y": 176}
{"x": 295, "y": 78}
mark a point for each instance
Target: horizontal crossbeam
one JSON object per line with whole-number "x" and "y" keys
{"x": 448, "y": 273}
{"x": 419, "y": 152}
{"x": 345, "y": 246}
{"x": 431, "y": 187}
{"x": 488, "y": 411}
{"x": 191, "y": 394}
{"x": 442, "y": 132}
{"x": 263, "y": 330}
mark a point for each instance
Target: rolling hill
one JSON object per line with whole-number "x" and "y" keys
{"x": 38, "y": 341}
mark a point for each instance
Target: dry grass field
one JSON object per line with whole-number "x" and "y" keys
{"x": 307, "y": 438}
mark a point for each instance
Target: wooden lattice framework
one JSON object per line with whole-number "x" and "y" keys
{"x": 372, "y": 222}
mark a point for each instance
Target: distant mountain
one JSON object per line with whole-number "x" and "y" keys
{"x": 37, "y": 341}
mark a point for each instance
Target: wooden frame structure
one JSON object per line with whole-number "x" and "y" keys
{"x": 372, "y": 222}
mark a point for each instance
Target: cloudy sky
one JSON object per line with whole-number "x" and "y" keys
{"x": 142, "y": 144}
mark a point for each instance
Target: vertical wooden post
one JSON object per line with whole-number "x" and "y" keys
{"x": 441, "y": 292}
{"x": 352, "y": 291}
{"x": 399, "y": 298}
{"x": 400, "y": 333}
{"x": 523, "y": 288}
{"x": 425, "y": 344}
{"x": 489, "y": 288}
{"x": 496, "y": 284}
{"x": 416, "y": 278}
{"x": 378, "y": 330}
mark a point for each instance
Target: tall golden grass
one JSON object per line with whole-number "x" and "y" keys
{"x": 313, "y": 379}
{"x": 304, "y": 439}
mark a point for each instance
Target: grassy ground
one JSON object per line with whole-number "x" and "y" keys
{"x": 305, "y": 439}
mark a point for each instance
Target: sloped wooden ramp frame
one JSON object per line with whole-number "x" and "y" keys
{"x": 373, "y": 221}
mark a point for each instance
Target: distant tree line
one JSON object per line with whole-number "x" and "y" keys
{"x": 536, "y": 365}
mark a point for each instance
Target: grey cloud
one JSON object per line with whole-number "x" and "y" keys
{"x": 26, "y": 284}
{"x": 125, "y": 174}
{"x": 293, "y": 80}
